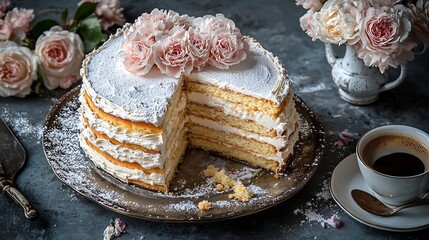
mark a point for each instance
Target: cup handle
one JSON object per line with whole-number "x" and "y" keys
{"x": 423, "y": 49}
{"x": 399, "y": 80}
{"x": 330, "y": 54}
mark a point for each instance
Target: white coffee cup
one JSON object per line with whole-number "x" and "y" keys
{"x": 382, "y": 141}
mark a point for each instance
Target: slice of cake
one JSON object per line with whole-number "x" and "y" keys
{"x": 140, "y": 106}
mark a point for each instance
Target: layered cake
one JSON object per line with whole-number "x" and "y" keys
{"x": 221, "y": 92}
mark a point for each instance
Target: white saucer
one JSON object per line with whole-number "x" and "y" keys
{"x": 346, "y": 177}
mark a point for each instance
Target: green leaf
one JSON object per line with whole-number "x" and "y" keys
{"x": 73, "y": 27}
{"x": 35, "y": 88}
{"x": 84, "y": 10}
{"x": 90, "y": 31}
{"x": 41, "y": 26}
{"x": 64, "y": 15}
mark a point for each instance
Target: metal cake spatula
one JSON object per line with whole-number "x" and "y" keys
{"x": 12, "y": 158}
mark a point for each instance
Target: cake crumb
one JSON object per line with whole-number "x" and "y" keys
{"x": 241, "y": 193}
{"x": 210, "y": 171}
{"x": 222, "y": 178}
{"x": 220, "y": 187}
{"x": 205, "y": 205}
{"x": 225, "y": 182}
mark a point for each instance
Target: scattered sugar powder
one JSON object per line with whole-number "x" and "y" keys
{"x": 62, "y": 145}
{"x": 20, "y": 125}
{"x": 182, "y": 206}
{"x": 315, "y": 209}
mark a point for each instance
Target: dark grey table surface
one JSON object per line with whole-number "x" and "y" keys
{"x": 64, "y": 214}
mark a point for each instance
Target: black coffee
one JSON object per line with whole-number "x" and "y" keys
{"x": 399, "y": 164}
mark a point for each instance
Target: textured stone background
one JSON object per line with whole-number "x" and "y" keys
{"x": 274, "y": 23}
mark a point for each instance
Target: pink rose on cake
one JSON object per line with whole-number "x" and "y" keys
{"x": 226, "y": 49}
{"x": 211, "y": 24}
{"x": 137, "y": 53}
{"x": 178, "y": 44}
{"x": 18, "y": 69}
{"x": 384, "y": 34}
{"x": 172, "y": 55}
{"x": 61, "y": 54}
{"x": 198, "y": 43}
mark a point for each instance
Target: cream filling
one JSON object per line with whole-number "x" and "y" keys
{"x": 277, "y": 142}
{"x": 172, "y": 123}
{"x": 122, "y": 173}
{"x": 282, "y": 155}
{"x": 150, "y": 141}
{"x": 146, "y": 160}
{"x": 279, "y": 125}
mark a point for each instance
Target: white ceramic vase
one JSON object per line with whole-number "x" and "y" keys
{"x": 359, "y": 84}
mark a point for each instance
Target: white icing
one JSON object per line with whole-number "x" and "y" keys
{"x": 260, "y": 75}
{"x": 279, "y": 124}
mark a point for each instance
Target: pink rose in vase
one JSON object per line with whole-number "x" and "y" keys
{"x": 172, "y": 55}
{"x": 18, "y": 69}
{"x": 61, "y": 54}
{"x": 306, "y": 23}
{"x": 384, "y": 38}
{"x": 420, "y": 17}
{"x": 315, "y": 5}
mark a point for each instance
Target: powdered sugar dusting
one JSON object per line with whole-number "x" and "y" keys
{"x": 136, "y": 98}
{"x": 260, "y": 75}
{"x": 20, "y": 125}
{"x": 317, "y": 210}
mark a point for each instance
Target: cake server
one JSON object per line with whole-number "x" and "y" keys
{"x": 12, "y": 158}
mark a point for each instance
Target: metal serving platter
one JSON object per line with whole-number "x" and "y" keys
{"x": 189, "y": 187}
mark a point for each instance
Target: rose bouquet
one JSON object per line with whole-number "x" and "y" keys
{"x": 384, "y": 33}
{"x": 178, "y": 44}
{"x": 48, "y": 52}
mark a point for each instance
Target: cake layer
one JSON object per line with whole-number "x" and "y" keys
{"x": 275, "y": 125}
{"x": 232, "y": 152}
{"x": 246, "y": 102}
{"x": 233, "y": 139}
{"x": 217, "y": 114}
{"x": 275, "y": 143}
